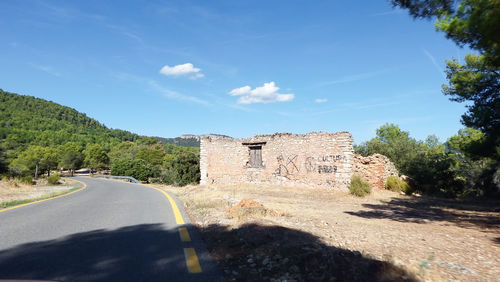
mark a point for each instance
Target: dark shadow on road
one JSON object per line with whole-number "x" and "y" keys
{"x": 478, "y": 215}
{"x": 144, "y": 252}
{"x": 256, "y": 252}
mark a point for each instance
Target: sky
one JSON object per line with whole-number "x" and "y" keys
{"x": 238, "y": 68}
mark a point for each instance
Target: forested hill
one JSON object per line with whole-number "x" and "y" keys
{"x": 26, "y": 120}
{"x": 188, "y": 140}
{"x": 38, "y": 136}
{"x": 185, "y": 142}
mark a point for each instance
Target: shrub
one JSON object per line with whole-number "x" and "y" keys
{"x": 186, "y": 167}
{"x": 406, "y": 188}
{"x": 26, "y": 180}
{"x": 359, "y": 187}
{"x": 138, "y": 169}
{"x": 53, "y": 179}
{"x": 181, "y": 169}
{"x": 168, "y": 176}
{"x": 396, "y": 184}
{"x": 393, "y": 183}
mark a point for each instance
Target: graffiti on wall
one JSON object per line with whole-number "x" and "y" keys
{"x": 286, "y": 167}
{"x": 323, "y": 164}
{"x": 327, "y": 169}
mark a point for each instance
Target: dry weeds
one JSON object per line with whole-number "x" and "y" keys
{"x": 14, "y": 190}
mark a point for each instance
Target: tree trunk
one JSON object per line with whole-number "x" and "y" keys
{"x": 36, "y": 171}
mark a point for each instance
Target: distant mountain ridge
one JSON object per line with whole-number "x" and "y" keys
{"x": 189, "y": 140}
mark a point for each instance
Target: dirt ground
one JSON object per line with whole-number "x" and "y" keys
{"x": 296, "y": 234}
{"x": 12, "y": 190}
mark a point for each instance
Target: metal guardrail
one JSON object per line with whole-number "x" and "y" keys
{"x": 128, "y": 178}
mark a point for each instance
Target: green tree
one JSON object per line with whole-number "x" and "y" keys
{"x": 50, "y": 159}
{"x": 96, "y": 157}
{"x": 478, "y": 82}
{"x": 138, "y": 169}
{"x": 466, "y": 144}
{"x": 395, "y": 144}
{"x": 153, "y": 155}
{"x": 36, "y": 160}
{"x": 149, "y": 141}
{"x": 71, "y": 156}
{"x": 479, "y": 173}
{"x": 186, "y": 168}
{"x": 27, "y": 162}
{"x": 124, "y": 150}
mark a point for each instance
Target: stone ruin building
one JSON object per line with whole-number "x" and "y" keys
{"x": 317, "y": 159}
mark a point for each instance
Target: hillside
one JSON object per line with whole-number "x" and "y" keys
{"x": 185, "y": 142}
{"x": 188, "y": 140}
{"x": 26, "y": 120}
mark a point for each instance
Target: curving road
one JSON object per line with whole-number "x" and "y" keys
{"x": 110, "y": 231}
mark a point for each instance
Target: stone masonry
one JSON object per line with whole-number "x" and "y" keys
{"x": 317, "y": 159}
{"x": 375, "y": 169}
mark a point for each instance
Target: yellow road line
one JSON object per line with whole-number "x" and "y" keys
{"x": 177, "y": 213}
{"x": 192, "y": 262}
{"x": 183, "y": 232}
{"x": 39, "y": 201}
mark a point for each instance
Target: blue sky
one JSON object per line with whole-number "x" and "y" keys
{"x": 239, "y": 68}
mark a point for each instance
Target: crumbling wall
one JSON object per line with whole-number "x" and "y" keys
{"x": 317, "y": 159}
{"x": 375, "y": 169}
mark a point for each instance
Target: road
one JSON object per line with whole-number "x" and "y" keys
{"x": 110, "y": 231}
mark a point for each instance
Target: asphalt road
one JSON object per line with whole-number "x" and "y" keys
{"x": 110, "y": 231}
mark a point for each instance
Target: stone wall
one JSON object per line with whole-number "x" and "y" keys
{"x": 314, "y": 159}
{"x": 375, "y": 169}
{"x": 317, "y": 159}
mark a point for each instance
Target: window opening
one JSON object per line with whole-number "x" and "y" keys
{"x": 255, "y": 156}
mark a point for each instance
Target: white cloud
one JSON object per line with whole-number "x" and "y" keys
{"x": 268, "y": 93}
{"x": 240, "y": 91}
{"x": 321, "y": 100}
{"x": 179, "y": 70}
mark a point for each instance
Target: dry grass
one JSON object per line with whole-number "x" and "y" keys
{"x": 433, "y": 239}
{"x": 13, "y": 190}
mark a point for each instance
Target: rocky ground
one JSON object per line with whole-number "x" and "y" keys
{"x": 261, "y": 233}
